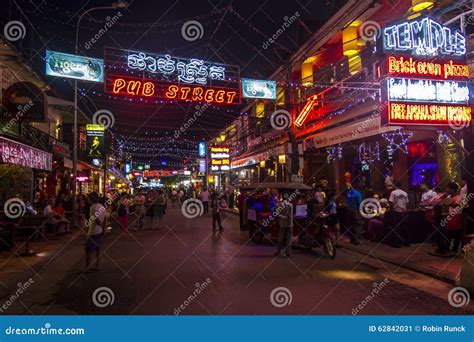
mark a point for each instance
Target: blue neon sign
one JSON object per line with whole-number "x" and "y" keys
{"x": 202, "y": 149}
{"x": 259, "y": 89}
{"x": 72, "y": 66}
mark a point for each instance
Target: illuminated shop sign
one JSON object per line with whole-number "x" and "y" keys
{"x": 12, "y": 152}
{"x": 308, "y": 107}
{"x": 149, "y": 88}
{"x": 402, "y": 66}
{"x": 433, "y": 91}
{"x": 72, "y": 66}
{"x": 220, "y": 158}
{"x": 423, "y": 37}
{"x": 259, "y": 89}
{"x": 95, "y": 141}
{"x": 158, "y": 173}
{"x": 202, "y": 149}
{"x": 429, "y": 114}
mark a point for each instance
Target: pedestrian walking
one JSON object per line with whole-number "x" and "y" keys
{"x": 123, "y": 212}
{"x": 285, "y": 234}
{"x": 397, "y": 225}
{"x": 95, "y": 231}
{"x": 205, "y": 195}
{"x": 140, "y": 209}
{"x": 159, "y": 208}
{"x": 217, "y": 206}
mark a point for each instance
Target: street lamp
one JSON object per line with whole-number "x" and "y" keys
{"x": 120, "y": 4}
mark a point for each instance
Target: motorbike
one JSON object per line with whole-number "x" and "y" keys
{"x": 319, "y": 234}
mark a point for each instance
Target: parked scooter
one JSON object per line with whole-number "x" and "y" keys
{"x": 319, "y": 234}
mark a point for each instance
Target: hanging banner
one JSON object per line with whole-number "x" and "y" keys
{"x": 72, "y": 66}
{"x": 13, "y": 152}
{"x": 95, "y": 141}
{"x": 147, "y": 75}
{"x": 259, "y": 89}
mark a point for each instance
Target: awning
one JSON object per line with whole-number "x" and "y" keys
{"x": 360, "y": 129}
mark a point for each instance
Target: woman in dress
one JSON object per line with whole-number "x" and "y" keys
{"x": 160, "y": 206}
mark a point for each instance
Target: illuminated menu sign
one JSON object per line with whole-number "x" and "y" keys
{"x": 423, "y": 36}
{"x": 220, "y": 158}
{"x": 425, "y": 75}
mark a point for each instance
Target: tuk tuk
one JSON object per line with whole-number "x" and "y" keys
{"x": 261, "y": 215}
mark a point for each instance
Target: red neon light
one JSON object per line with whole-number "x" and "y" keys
{"x": 305, "y": 111}
{"x": 399, "y": 65}
{"x": 429, "y": 114}
{"x": 136, "y": 87}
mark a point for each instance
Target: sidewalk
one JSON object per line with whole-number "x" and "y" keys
{"x": 233, "y": 211}
{"x": 415, "y": 258}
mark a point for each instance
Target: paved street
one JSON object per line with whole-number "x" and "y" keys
{"x": 157, "y": 272}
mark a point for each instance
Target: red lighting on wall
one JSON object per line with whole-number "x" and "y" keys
{"x": 301, "y": 118}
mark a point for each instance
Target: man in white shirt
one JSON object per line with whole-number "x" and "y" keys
{"x": 427, "y": 196}
{"x": 96, "y": 230}
{"x": 205, "y": 195}
{"x": 398, "y": 229}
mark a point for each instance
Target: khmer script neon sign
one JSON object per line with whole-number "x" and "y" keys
{"x": 423, "y": 37}
{"x": 186, "y": 71}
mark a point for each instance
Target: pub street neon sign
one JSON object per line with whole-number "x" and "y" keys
{"x": 423, "y": 37}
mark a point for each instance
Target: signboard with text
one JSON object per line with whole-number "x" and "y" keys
{"x": 72, "y": 66}
{"x": 13, "y": 152}
{"x": 220, "y": 158}
{"x": 95, "y": 141}
{"x": 259, "y": 89}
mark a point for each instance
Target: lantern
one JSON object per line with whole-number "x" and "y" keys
{"x": 307, "y": 72}
{"x": 350, "y": 42}
{"x": 420, "y": 5}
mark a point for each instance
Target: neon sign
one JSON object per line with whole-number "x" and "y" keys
{"x": 72, "y": 66}
{"x": 306, "y": 110}
{"x": 202, "y": 149}
{"x": 429, "y": 114}
{"x": 220, "y": 158}
{"x": 402, "y": 66}
{"x": 258, "y": 89}
{"x": 423, "y": 37}
{"x": 160, "y": 89}
{"x": 433, "y": 91}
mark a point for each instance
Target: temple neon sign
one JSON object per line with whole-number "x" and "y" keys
{"x": 423, "y": 37}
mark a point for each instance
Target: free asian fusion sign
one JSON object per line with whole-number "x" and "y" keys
{"x": 72, "y": 66}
